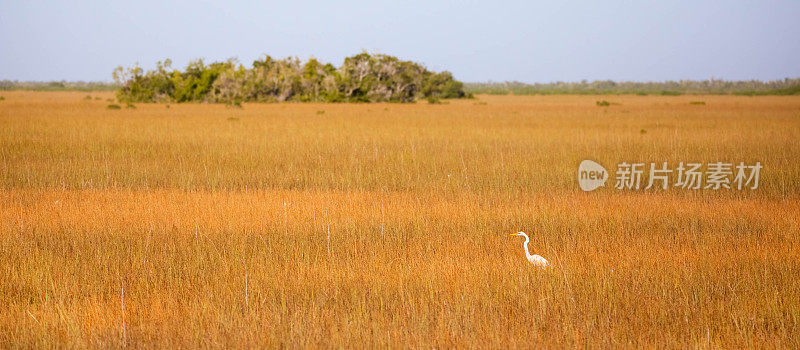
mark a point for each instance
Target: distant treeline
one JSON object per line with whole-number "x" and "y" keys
{"x": 150, "y": 86}
{"x": 361, "y": 78}
{"x": 6, "y": 85}
{"x": 713, "y": 86}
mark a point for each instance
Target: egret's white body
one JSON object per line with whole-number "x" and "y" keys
{"x": 536, "y": 260}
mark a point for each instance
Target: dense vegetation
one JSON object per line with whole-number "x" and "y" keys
{"x": 361, "y": 78}
{"x": 713, "y": 86}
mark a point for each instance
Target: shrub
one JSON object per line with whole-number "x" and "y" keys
{"x": 360, "y": 78}
{"x": 113, "y": 106}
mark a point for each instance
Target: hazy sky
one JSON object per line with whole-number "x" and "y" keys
{"x": 529, "y": 41}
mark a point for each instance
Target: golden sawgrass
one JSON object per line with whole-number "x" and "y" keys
{"x": 286, "y": 227}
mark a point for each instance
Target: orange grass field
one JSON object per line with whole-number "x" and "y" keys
{"x": 387, "y": 225}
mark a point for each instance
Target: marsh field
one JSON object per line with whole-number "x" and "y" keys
{"x": 387, "y": 225}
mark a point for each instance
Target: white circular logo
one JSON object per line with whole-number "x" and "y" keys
{"x": 591, "y": 175}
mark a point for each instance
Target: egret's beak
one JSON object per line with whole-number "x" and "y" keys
{"x": 514, "y": 234}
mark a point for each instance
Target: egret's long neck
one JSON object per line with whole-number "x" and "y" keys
{"x": 527, "y": 253}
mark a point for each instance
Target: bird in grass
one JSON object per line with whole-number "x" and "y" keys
{"x": 536, "y": 260}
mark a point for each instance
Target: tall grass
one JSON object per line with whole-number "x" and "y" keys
{"x": 386, "y": 225}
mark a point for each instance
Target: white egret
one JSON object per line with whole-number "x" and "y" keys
{"x": 536, "y": 260}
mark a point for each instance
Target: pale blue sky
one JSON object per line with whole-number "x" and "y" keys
{"x": 529, "y": 41}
